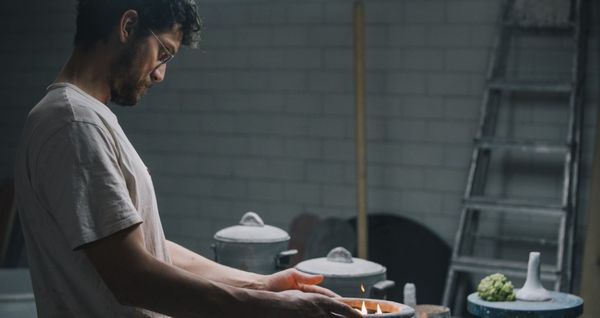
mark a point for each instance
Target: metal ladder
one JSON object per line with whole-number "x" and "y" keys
{"x": 477, "y": 204}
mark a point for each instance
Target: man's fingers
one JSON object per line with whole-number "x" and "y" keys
{"x": 341, "y": 309}
{"x": 308, "y": 279}
{"x": 318, "y": 290}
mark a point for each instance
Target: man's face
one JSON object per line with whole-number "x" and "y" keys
{"x": 138, "y": 66}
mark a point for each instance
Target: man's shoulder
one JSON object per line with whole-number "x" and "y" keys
{"x": 61, "y": 106}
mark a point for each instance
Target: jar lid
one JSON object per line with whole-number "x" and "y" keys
{"x": 252, "y": 229}
{"x": 340, "y": 263}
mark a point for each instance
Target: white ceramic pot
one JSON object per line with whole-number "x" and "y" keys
{"x": 345, "y": 274}
{"x": 253, "y": 246}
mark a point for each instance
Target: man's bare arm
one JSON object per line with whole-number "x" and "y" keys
{"x": 280, "y": 281}
{"x": 138, "y": 279}
{"x": 197, "y": 264}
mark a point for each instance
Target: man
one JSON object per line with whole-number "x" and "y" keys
{"x": 95, "y": 242}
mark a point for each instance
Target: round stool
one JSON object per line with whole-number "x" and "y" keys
{"x": 560, "y": 306}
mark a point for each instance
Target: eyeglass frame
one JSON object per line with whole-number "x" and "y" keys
{"x": 170, "y": 55}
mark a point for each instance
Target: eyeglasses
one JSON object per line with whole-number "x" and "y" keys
{"x": 166, "y": 55}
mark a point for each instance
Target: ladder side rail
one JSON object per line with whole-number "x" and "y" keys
{"x": 582, "y": 33}
{"x": 494, "y": 68}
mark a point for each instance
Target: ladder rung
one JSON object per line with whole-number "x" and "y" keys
{"x": 516, "y": 239}
{"x": 515, "y": 206}
{"x": 558, "y": 28}
{"x": 522, "y": 145}
{"x": 511, "y": 268}
{"x": 531, "y": 86}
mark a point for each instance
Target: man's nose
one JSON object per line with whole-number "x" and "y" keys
{"x": 158, "y": 74}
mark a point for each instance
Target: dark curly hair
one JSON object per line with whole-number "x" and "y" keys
{"x": 96, "y": 19}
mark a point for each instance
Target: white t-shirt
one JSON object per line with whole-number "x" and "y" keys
{"x": 78, "y": 179}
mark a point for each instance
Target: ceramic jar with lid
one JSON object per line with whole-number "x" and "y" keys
{"x": 344, "y": 274}
{"x": 253, "y": 246}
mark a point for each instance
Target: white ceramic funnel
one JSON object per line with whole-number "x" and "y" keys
{"x": 533, "y": 289}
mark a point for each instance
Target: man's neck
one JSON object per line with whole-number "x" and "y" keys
{"x": 88, "y": 70}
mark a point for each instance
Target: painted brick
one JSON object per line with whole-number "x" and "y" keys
{"x": 412, "y": 83}
{"x": 462, "y": 108}
{"x": 260, "y": 102}
{"x": 288, "y": 81}
{"x": 423, "y": 59}
{"x": 229, "y": 188}
{"x": 445, "y": 180}
{"x": 337, "y": 12}
{"x": 286, "y": 170}
{"x": 267, "y": 146}
{"x": 404, "y": 177}
{"x": 226, "y": 145}
{"x": 338, "y": 195}
{"x": 449, "y": 36}
{"x": 303, "y": 58}
{"x": 422, "y": 154}
{"x": 290, "y": 125}
{"x": 472, "y": 11}
{"x": 419, "y": 201}
{"x": 330, "y": 36}
{"x": 339, "y": 150}
{"x": 451, "y": 132}
{"x": 302, "y": 193}
{"x": 271, "y": 13}
{"x": 383, "y": 200}
{"x": 251, "y": 80}
{"x": 339, "y": 104}
{"x": 338, "y": 58}
{"x": 302, "y": 103}
{"x": 290, "y": 36}
{"x": 218, "y": 123}
{"x": 409, "y": 36}
{"x": 197, "y": 102}
{"x": 303, "y": 148}
{"x": 254, "y": 36}
{"x": 376, "y": 129}
{"x": 449, "y": 84}
{"x": 469, "y": 60}
{"x": 266, "y": 58}
{"x": 324, "y": 172}
{"x": 328, "y": 127}
{"x": 376, "y": 35}
{"x": 408, "y": 130}
{"x": 251, "y": 168}
{"x": 269, "y": 191}
{"x": 379, "y": 59}
{"x": 330, "y": 81}
{"x": 386, "y": 12}
{"x": 423, "y": 107}
{"x": 384, "y": 105}
{"x": 311, "y": 13}
{"x": 425, "y": 11}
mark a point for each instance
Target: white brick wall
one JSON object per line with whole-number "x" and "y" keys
{"x": 262, "y": 117}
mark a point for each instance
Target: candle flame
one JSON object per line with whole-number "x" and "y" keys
{"x": 379, "y": 310}
{"x": 362, "y": 288}
{"x": 363, "y": 310}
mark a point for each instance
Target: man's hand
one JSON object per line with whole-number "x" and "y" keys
{"x": 293, "y": 279}
{"x": 311, "y": 305}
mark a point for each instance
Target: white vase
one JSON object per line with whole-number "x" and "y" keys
{"x": 533, "y": 289}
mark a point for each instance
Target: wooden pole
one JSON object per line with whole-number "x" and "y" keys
{"x": 590, "y": 281}
{"x": 361, "y": 147}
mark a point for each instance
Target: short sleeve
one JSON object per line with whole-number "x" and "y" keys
{"x": 78, "y": 176}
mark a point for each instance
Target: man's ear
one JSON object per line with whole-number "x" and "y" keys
{"x": 127, "y": 25}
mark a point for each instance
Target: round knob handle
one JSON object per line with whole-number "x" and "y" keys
{"x": 251, "y": 219}
{"x": 339, "y": 255}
